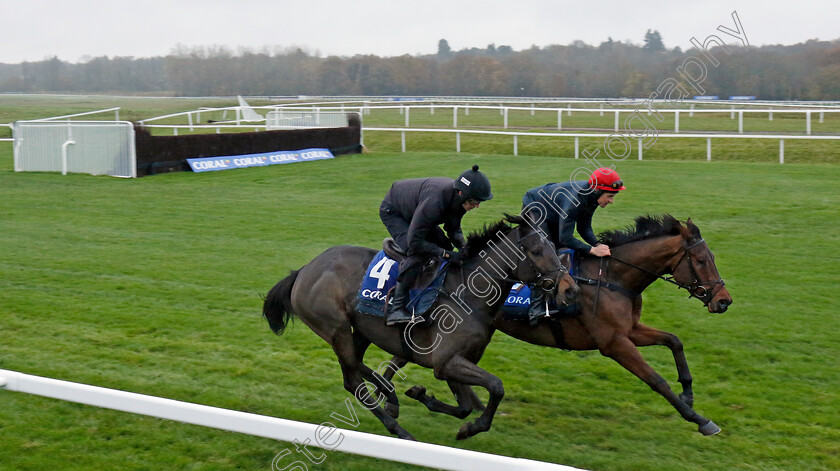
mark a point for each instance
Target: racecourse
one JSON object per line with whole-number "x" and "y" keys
{"x": 153, "y": 286}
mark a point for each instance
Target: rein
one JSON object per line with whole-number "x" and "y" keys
{"x": 694, "y": 286}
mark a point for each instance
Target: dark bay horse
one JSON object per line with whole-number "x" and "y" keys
{"x": 610, "y": 309}
{"x": 323, "y": 295}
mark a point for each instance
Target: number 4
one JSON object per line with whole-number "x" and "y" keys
{"x": 381, "y": 271}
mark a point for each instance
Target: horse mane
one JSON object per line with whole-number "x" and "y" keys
{"x": 646, "y": 227}
{"x": 478, "y": 240}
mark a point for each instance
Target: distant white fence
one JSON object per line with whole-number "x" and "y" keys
{"x": 294, "y": 119}
{"x": 377, "y": 446}
{"x": 406, "y": 109}
{"x": 576, "y": 136}
{"x": 94, "y": 147}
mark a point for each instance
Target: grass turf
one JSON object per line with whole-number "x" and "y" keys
{"x": 152, "y": 285}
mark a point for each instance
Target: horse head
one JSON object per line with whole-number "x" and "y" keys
{"x": 697, "y": 272}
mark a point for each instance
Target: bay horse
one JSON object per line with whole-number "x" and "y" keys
{"x": 611, "y": 306}
{"x": 323, "y": 294}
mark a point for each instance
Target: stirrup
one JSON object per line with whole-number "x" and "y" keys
{"x": 400, "y": 316}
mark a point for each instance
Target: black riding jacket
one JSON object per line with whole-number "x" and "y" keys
{"x": 426, "y": 203}
{"x": 576, "y": 206}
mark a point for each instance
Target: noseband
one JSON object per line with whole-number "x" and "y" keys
{"x": 697, "y": 289}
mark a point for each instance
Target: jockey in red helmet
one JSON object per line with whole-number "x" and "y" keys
{"x": 560, "y": 208}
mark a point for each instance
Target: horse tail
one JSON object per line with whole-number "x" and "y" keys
{"x": 277, "y": 306}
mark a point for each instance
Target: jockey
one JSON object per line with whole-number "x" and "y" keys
{"x": 412, "y": 211}
{"x": 557, "y": 208}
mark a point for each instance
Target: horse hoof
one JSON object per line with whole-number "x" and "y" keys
{"x": 415, "y": 392}
{"x": 464, "y": 432}
{"x": 709, "y": 428}
{"x": 392, "y": 409}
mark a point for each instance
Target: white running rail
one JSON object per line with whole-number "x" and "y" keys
{"x": 376, "y": 446}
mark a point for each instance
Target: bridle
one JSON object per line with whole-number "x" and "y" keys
{"x": 545, "y": 281}
{"x": 696, "y": 289}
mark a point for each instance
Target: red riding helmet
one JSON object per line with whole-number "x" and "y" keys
{"x": 606, "y": 179}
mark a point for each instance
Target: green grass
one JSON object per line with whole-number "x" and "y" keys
{"x": 152, "y": 286}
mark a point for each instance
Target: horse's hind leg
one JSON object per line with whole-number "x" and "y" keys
{"x": 435, "y": 405}
{"x": 351, "y": 368}
{"x": 384, "y": 387}
{"x": 643, "y": 336}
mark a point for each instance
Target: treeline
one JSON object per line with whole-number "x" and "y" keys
{"x": 807, "y": 71}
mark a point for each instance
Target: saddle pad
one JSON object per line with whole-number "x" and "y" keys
{"x": 381, "y": 277}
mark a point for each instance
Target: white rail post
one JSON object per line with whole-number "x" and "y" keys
{"x": 741, "y": 122}
{"x": 732, "y": 113}
{"x": 515, "y": 145}
{"x": 190, "y": 121}
{"x": 532, "y": 109}
{"x": 708, "y": 149}
{"x": 770, "y": 115}
{"x": 808, "y": 123}
{"x": 560, "y": 120}
{"x": 601, "y": 107}
{"x": 781, "y": 151}
{"x": 676, "y": 121}
{"x": 616, "y": 120}
{"x": 506, "y": 117}
{"x": 691, "y": 110}
{"x": 455, "y": 116}
{"x": 577, "y": 147}
{"x": 64, "y": 155}
{"x": 569, "y": 110}
{"x": 821, "y": 116}
{"x": 407, "y": 113}
{"x": 458, "y": 142}
{"x": 403, "y": 140}
{"x": 640, "y": 149}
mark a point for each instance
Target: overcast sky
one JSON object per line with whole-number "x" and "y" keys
{"x": 33, "y": 30}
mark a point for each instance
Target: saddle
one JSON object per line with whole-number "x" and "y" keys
{"x": 381, "y": 277}
{"x": 392, "y": 250}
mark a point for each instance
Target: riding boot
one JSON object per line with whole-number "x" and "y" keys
{"x": 538, "y": 307}
{"x": 399, "y": 314}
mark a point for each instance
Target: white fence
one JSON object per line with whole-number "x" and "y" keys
{"x": 576, "y": 136}
{"x": 377, "y": 446}
{"x": 294, "y": 119}
{"x": 94, "y": 147}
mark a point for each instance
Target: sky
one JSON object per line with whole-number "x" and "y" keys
{"x": 77, "y": 30}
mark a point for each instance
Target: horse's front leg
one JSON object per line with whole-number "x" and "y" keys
{"x": 460, "y": 370}
{"x": 643, "y": 336}
{"x": 623, "y": 351}
{"x": 461, "y": 392}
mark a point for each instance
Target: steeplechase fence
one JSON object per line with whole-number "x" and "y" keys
{"x": 94, "y": 147}
{"x": 365, "y": 444}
